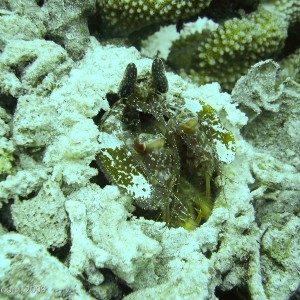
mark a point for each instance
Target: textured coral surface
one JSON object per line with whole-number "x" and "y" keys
{"x": 225, "y": 54}
{"x": 66, "y": 231}
{"x": 124, "y": 17}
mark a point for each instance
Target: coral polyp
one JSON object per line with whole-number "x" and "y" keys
{"x": 164, "y": 153}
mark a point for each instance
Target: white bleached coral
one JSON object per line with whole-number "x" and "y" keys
{"x": 32, "y": 67}
{"x": 160, "y": 43}
{"x": 20, "y": 20}
{"x": 273, "y": 109}
{"x": 103, "y": 238}
{"x": 65, "y": 22}
{"x": 63, "y": 118}
{"x": 257, "y": 91}
{"x": 281, "y": 245}
{"x": 56, "y": 140}
{"x": 43, "y": 218}
{"x": 28, "y": 177}
{"x": 29, "y": 271}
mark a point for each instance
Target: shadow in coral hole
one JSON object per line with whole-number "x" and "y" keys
{"x": 237, "y": 293}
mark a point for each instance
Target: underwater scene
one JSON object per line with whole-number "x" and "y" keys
{"x": 150, "y": 149}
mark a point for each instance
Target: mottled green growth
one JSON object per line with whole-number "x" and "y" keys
{"x": 124, "y": 171}
{"x": 120, "y": 18}
{"x": 227, "y": 53}
{"x": 6, "y": 145}
{"x": 6, "y": 159}
{"x": 214, "y": 145}
{"x": 214, "y": 128}
{"x": 121, "y": 166}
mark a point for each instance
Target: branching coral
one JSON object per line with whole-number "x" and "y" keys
{"x": 225, "y": 54}
{"x": 289, "y": 8}
{"x": 125, "y": 16}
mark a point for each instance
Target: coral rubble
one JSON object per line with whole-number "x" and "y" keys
{"x": 32, "y": 66}
{"x": 260, "y": 96}
{"x": 66, "y": 23}
{"x": 65, "y": 232}
{"x": 21, "y": 20}
{"x": 29, "y": 271}
{"x": 48, "y": 219}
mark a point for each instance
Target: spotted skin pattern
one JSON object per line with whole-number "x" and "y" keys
{"x": 128, "y": 82}
{"x": 160, "y": 80}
